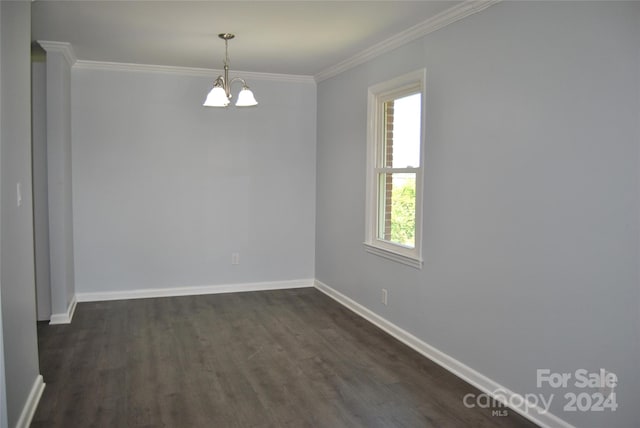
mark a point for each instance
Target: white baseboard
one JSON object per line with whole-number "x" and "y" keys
{"x": 31, "y": 405}
{"x": 480, "y": 381}
{"x": 146, "y": 293}
{"x": 66, "y": 317}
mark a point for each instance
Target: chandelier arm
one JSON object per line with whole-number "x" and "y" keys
{"x": 238, "y": 79}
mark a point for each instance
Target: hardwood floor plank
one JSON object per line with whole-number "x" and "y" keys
{"x": 287, "y": 358}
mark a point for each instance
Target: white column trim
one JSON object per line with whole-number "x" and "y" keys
{"x": 66, "y": 317}
{"x": 60, "y": 47}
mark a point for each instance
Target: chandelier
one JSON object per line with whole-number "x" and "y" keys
{"x": 220, "y": 95}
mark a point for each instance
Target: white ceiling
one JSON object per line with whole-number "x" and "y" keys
{"x": 290, "y": 37}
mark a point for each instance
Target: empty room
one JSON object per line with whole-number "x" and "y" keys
{"x": 319, "y": 214}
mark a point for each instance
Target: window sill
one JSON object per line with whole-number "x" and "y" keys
{"x": 393, "y": 255}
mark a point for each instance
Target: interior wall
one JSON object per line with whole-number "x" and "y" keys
{"x": 531, "y": 220}
{"x": 165, "y": 190}
{"x": 16, "y": 227}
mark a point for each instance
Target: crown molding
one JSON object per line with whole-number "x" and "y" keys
{"x": 60, "y": 47}
{"x": 444, "y": 18}
{"x": 188, "y": 71}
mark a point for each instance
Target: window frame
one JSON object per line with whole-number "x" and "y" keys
{"x": 378, "y": 95}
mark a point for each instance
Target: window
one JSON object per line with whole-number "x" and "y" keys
{"x": 394, "y": 169}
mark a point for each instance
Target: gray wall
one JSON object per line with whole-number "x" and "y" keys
{"x": 16, "y": 228}
{"x": 166, "y": 190}
{"x": 531, "y": 199}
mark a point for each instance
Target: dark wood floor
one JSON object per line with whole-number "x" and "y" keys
{"x": 292, "y": 358}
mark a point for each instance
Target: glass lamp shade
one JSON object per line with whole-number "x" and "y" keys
{"x": 246, "y": 98}
{"x": 217, "y": 98}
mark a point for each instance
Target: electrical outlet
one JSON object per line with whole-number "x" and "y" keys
{"x": 384, "y": 296}
{"x": 235, "y": 258}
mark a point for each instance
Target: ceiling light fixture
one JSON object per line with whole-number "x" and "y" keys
{"x": 220, "y": 95}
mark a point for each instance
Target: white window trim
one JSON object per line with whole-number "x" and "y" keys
{"x": 378, "y": 94}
